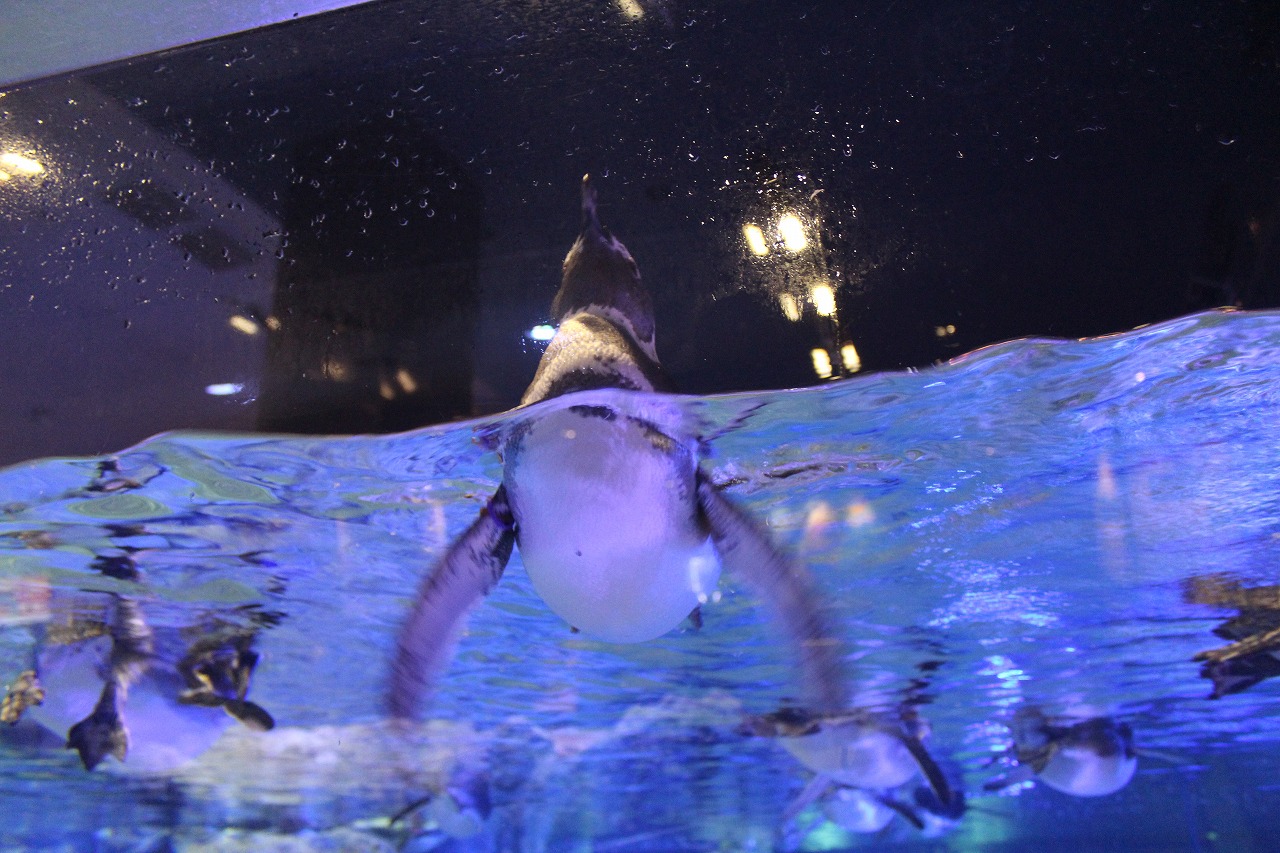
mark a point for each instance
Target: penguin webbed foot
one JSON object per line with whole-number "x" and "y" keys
{"x": 98, "y": 735}
{"x": 249, "y": 714}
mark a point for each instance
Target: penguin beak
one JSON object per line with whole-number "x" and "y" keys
{"x": 591, "y": 228}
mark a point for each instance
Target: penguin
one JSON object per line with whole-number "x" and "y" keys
{"x": 621, "y": 532}
{"x": 864, "y": 751}
{"x": 1085, "y": 758}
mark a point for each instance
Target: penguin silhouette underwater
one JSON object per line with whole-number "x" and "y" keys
{"x": 620, "y": 530}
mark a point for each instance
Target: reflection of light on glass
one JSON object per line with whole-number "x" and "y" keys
{"x": 821, "y": 363}
{"x": 385, "y": 391}
{"x": 1139, "y": 377}
{"x": 790, "y": 306}
{"x": 860, "y": 514}
{"x": 12, "y": 163}
{"x": 824, "y": 300}
{"x": 273, "y": 323}
{"x": 542, "y": 332}
{"x": 406, "y": 380}
{"x": 1106, "y": 479}
{"x": 223, "y": 389}
{"x": 792, "y": 232}
{"x": 817, "y": 525}
{"x": 336, "y": 369}
{"x": 243, "y": 324}
{"x": 849, "y": 355}
{"x": 755, "y": 240}
{"x": 944, "y": 331}
{"x": 631, "y": 9}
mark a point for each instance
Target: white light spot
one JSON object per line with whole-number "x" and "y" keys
{"x": 824, "y": 299}
{"x": 542, "y": 332}
{"x": 790, "y": 306}
{"x": 406, "y": 380}
{"x": 852, "y": 361}
{"x": 242, "y": 324}
{"x": 821, "y": 363}
{"x": 792, "y": 231}
{"x": 223, "y": 389}
{"x": 755, "y": 240}
{"x": 19, "y": 164}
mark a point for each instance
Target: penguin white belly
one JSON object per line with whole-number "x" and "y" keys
{"x": 855, "y": 755}
{"x": 1084, "y": 773}
{"x": 607, "y": 526}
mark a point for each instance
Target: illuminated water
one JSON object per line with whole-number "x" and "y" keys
{"x": 1015, "y": 528}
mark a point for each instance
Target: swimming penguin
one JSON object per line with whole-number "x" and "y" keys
{"x": 621, "y": 532}
{"x": 873, "y": 753}
{"x": 1086, "y": 758}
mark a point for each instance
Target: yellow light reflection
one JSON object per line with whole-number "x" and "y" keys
{"x": 824, "y": 299}
{"x": 790, "y": 306}
{"x": 243, "y": 324}
{"x": 336, "y": 369}
{"x": 792, "y": 231}
{"x": 860, "y": 514}
{"x": 631, "y": 9}
{"x": 407, "y": 383}
{"x": 755, "y": 240}
{"x": 385, "y": 391}
{"x": 14, "y": 163}
{"x": 821, "y": 363}
{"x": 852, "y": 361}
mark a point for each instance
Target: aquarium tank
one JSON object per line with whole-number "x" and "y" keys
{"x": 611, "y": 426}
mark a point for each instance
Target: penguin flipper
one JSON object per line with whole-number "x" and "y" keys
{"x": 467, "y": 572}
{"x": 787, "y": 587}
{"x": 933, "y": 774}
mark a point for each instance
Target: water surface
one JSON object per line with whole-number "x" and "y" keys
{"x": 1017, "y": 528}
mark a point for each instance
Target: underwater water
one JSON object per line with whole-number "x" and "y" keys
{"x": 1049, "y": 525}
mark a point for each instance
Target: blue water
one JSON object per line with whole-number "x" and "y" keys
{"x": 1016, "y": 528}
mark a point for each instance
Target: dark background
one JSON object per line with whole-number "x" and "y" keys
{"x": 386, "y": 193}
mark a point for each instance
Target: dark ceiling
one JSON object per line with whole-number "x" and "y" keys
{"x": 970, "y": 172}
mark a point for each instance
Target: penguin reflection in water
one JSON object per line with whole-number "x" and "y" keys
{"x": 121, "y": 687}
{"x": 621, "y": 532}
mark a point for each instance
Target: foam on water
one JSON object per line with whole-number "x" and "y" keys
{"x": 1016, "y": 527}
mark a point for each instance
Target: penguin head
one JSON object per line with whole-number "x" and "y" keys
{"x": 601, "y": 277}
